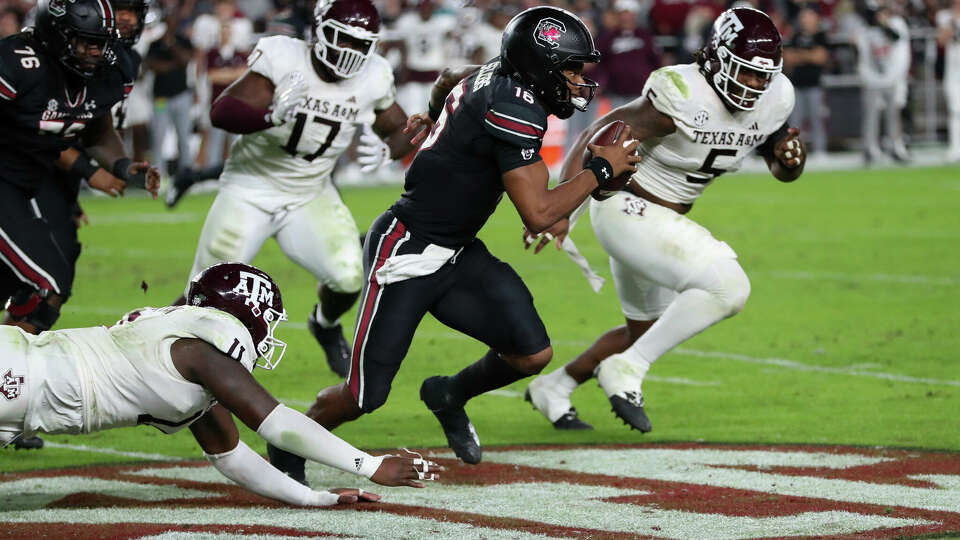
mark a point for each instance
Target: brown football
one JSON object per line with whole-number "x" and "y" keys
{"x": 605, "y": 137}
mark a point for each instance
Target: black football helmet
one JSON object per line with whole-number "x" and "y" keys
{"x": 537, "y": 45}
{"x": 130, "y": 36}
{"x": 741, "y": 38}
{"x": 356, "y": 21}
{"x": 250, "y": 295}
{"x": 61, "y": 23}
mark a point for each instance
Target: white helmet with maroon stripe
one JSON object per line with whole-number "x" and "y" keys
{"x": 64, "y": 24}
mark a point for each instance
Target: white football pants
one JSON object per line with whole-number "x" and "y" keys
{"x": 316, "y": 232}
{"x": 669, "y": 268}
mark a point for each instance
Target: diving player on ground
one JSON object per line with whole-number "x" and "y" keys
{"x": 185, "y": 366}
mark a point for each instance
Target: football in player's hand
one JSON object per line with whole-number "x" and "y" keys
{"x": 606, "y": 137}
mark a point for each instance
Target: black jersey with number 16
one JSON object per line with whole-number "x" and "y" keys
{"x": 490, "y": 124}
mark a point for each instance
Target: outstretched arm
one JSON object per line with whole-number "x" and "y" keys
{"x": 103, "y": 144}
{"x": 217, "y": 435}
{"x": 238, "y": 392}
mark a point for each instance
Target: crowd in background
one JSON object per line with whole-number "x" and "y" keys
{"x": 193, "y": 49}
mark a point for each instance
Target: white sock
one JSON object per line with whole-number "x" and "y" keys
{"x": 323, "y": 320}
{"x": 562, "y": 382}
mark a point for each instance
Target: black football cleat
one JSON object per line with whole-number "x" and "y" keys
{"x": 461, "y": 436}
{"x": 334, "y": 345}
{"x": 178, "y": 188}
{"x": 28, "y": 443}
{"x": 630, "y": 410}
{"x": 289, "y": 464}
{"x": 570, "y": 421}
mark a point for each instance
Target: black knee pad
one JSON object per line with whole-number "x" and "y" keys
{"x": 32, "y": 306}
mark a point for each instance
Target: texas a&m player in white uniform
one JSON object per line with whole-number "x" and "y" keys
{"x": 297, "y": 108}
{"x": 674, "y": 279}
{"x": 184, "y": 366}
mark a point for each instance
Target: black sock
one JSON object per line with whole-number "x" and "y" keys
{"x": 488, "y": 373}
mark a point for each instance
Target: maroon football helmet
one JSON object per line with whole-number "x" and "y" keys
{"x": 251, "y": 296}
{"x": 338, "y": 22}
{"x": 741, "y": 38}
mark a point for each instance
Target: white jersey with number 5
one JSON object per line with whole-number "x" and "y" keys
{"x": 299, "y": 156}
{"x": 91, "y": 379}
{"x": 710, "y": 139}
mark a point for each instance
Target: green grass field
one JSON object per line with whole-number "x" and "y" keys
{"x": 850, "y": 335}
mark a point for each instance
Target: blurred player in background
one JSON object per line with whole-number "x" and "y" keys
{"x": 185, "y": 366}
{"x": 948, "y": 36}
{"x": 674, "y": 279}
{"x": 424, "y": 41}
{"x": 422, "y": 255}
{"x": 883, "y": 63}
{"x": 297, "y": 108}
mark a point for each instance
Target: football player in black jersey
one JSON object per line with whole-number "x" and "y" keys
{"x": 58, "y": 82}
{"x": 57, "y": 196}
{"x": 422, "y": 255}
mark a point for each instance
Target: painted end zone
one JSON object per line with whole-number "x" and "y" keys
{"x": 615, "y": 491}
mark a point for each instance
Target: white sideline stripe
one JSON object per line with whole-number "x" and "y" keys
{"x": 791, "y": 364}
{"x": 112, "y": 451}
{"x": 885, "y": 278}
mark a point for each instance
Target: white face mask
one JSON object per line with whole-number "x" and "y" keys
{"x": 344, "y": 62}
{"x": 735, "y": 93}
{"x": 271, "y": 347}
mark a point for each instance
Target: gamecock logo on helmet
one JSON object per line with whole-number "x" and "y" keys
{"x": 728, "y": 29}
{"x": 548, "y": 32}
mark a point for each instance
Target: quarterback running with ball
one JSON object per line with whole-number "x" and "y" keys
{"x": 297, "y": 108}
{"x": 674, "y": 279}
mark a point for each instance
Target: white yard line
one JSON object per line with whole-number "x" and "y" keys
{"x": 111, "y": 451}
{"x": 882, "y": 278}
{"x": 792, "y": 364}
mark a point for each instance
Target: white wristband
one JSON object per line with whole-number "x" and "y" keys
{"x": 289, "y": 430}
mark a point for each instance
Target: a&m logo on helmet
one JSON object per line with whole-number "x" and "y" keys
{"x": 728, "y": 28}
{"x": 548, "y": 32}
{"x": 257, "y": 289}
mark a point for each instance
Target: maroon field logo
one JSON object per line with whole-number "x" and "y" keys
{"x": 615, "y": 491}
